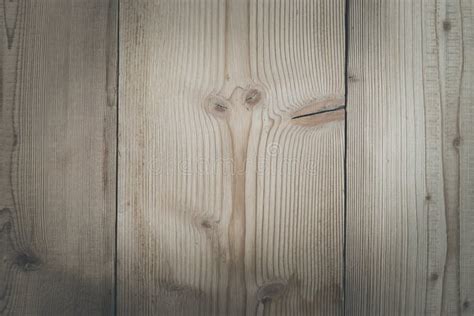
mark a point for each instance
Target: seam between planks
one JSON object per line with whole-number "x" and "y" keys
{"x": 346, "y": 88}
{"x": 117, "y": 155}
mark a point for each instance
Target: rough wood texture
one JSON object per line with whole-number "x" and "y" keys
{"x": 57, "y": 157}
{"x": 410, "y": 206}
{"x": 227, "y": 205}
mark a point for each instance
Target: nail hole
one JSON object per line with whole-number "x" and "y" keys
{"x": 466, "y": 304}
{"x": 457, "y": 142}
{"x": 352, "y": 78}
{"x": 446, "y": 25}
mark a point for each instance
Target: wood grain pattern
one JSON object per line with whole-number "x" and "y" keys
{"x": 57, "y": 157}
{"x": 227, "y": 205}
{"x": 410, "y": 202}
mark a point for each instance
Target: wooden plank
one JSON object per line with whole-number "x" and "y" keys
{"x": 410, "y": 202}
{"x": 465, "y": 152}
{"x": 227, "y": 205}
{"x": 57, "y": 157}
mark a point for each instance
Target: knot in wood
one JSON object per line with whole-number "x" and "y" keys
{"x": 253, "y": 97}
{"x": 218, "y": 106}
{"x": 270, "y": 291}
{"x": 28, "y": 262}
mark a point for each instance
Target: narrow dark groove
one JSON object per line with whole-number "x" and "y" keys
{"x": 320, "y": 112}
{"x": 346, "y": 82}
{"x": 117, "y": 158}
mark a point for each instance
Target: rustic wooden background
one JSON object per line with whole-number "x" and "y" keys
{"x": 244, "y": 157}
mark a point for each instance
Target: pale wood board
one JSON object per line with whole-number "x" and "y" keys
{"x": 410, "y": 158}
{"x": 195, "y": 237}
{"x": 57, "y": 157}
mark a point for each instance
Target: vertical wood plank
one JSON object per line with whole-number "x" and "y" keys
{"x": 228, "y": 203}
{"x": 465, "y": 152}
{"x": 57, "y": 157}
{"x": 410, "y": 147}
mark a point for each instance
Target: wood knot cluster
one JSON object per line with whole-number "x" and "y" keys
{"x": 240, "y": 99}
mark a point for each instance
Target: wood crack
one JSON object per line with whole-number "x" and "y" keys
{"x": 321, "y": 117}
{"x": 319, "y": 112}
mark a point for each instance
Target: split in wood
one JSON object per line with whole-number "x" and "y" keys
{"x": 320, "y": 112}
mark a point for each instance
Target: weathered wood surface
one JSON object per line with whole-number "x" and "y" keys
{"x": 57, "y": 156}
{"x": 231, "y": 157}
{"x": 410, "y": 172}
{"x": 227, "y": 205}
